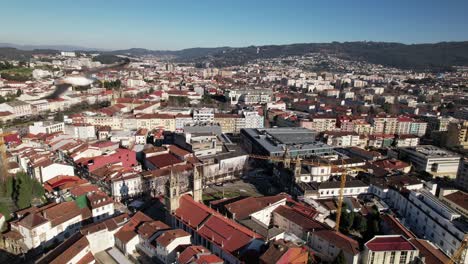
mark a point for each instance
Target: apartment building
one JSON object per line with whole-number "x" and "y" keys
{"x": 46, "y": 127}
{"x": 389, "y": 249}
{"x": 431, "y": 159}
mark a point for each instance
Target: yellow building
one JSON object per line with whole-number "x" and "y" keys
{"x": 457, "y": 135}
{"x": 153, "y": 121}
{"x": 227, "y": 122}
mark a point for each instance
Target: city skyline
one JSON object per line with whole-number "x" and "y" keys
{"x": 167, "y": 26}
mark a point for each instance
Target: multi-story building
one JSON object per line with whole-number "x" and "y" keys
{"x": 437, "y": 123}
{"x": 404, "y": 125}
{"x": 344, "y": 139}
{"x": 18, "y": 108}
{"x": 41, "y": 226}
{"x": 383, "y": 124}
{"x": 457, "y": 135}
{"x": 418, "y": 128}
{"x": 406, "y": 141}
{"x": 157, "y": 121}
{"x": 46, "y": 127}
{"x": 462, "y": 176}
{"x": 429, "y": 217}
{"x": 250, "y": 96}
{"x": 431, "y": 159}
{"x": 227, "y": 122}
{"x": 252, "y": 120}
{"x": 390, "y": 249}
{"x": 275, "y": 141}
{"x": 203, "y": 115}
{"x": 319, "y": 124}
{"x": 81, "y": 131}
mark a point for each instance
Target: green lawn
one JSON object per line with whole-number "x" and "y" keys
{"x": 17, "y": 74}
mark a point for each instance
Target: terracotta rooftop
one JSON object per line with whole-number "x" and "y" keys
{"x": 164, "y": 160}
{"x": 243, "y": 208}
{"x": 166, "y": 238}
{"x": 199, "y": 255}
{"x": 213, "y": 226}
{"x": 459, "y": 198}
{"x": 431, "y": 253}
{"x": 389, "y": 243}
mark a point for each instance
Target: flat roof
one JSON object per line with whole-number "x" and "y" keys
{"x": 293, "y": 138}
{"x": 432, "y": 151}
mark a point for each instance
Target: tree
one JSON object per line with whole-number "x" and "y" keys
{"x": 151, "y": 90}
{"x": 19, "y": 92}
{"x": 59, "y": 117}
{"x": 24, "y": 191}
{"x": 340, "y": 258}
{"x": 4, "y": 210}
{"x": 347, "y": 220}
{"x": 360, "y": 223}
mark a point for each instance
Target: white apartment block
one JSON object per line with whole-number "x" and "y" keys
{"x": 18, "y": 108}
{"x": 46, "y": 127}
{"x": 428, "y": 218}
{"x": 203, "y": 115}
{"x": 389, "y": 249}
{"x": 434, "y": 160}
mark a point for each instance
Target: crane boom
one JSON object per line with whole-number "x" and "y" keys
{"x": 457, "y": 255}
{"x": 287, "y": 161}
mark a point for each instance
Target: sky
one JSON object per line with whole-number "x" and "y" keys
{"x": 175, "y": 24}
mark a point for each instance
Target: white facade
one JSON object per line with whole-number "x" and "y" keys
{"x": 253, "y": 120}
{"x": 166, "y": 253}
{"x": 203, "y": 115}
{"x": 389, "y": 256}
{"x": 433, "y": 160}
{"x": 46, "y": 127}
{"x": 84, "y": 132}
{"x": 53, "y": 170}
{"x": 349, "y": 190}
{"x": 428, "y": 217}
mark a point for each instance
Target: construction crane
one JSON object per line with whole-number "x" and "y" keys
{"x": 286, "y": 160}
{"x": 457, "y": 255}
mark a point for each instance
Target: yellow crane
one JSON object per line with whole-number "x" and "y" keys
{"x": 457, "y": 255}
{"x": 286, "y": 159}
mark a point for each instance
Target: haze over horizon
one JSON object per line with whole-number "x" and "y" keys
{"x": 171, "y": 26}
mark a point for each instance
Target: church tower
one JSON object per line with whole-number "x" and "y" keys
{"x": 198, "y": 184}
{"x": 172, "y": 192}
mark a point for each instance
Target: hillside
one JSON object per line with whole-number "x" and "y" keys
{"x": 437, "y": 56}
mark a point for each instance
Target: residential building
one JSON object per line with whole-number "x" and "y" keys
{"x": 431, "y": 159}
{"x": 46, "y": 127}
{"x": 391, "y": 249}
{"x": 457, "y": 135}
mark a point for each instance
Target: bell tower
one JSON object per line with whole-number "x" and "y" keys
{"x": 198, "y": 184}
{"x": 172, "y": 192}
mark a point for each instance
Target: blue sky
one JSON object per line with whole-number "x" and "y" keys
{"x": 173, "y": 24}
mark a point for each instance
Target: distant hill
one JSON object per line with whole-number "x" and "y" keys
{"x": 437, "y": 56}
{"x": 46, "y": 47}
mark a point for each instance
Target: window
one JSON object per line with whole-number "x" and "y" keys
{"x": 403, "y": 256}
{"x": 392, "y": 257}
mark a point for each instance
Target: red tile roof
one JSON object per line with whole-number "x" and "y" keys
{"x": 217, "y": 229}
{"x": 163, "y": 160}
{"x": 128, "y": 231}
{"x": 459, "y": 198}
{"x": 431, "y": 254}
{"x": 166, "y": 238}
{"x": 243, "y": 208}
{"x": 197, "y": 254}
{"x": 389, "y": 243}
